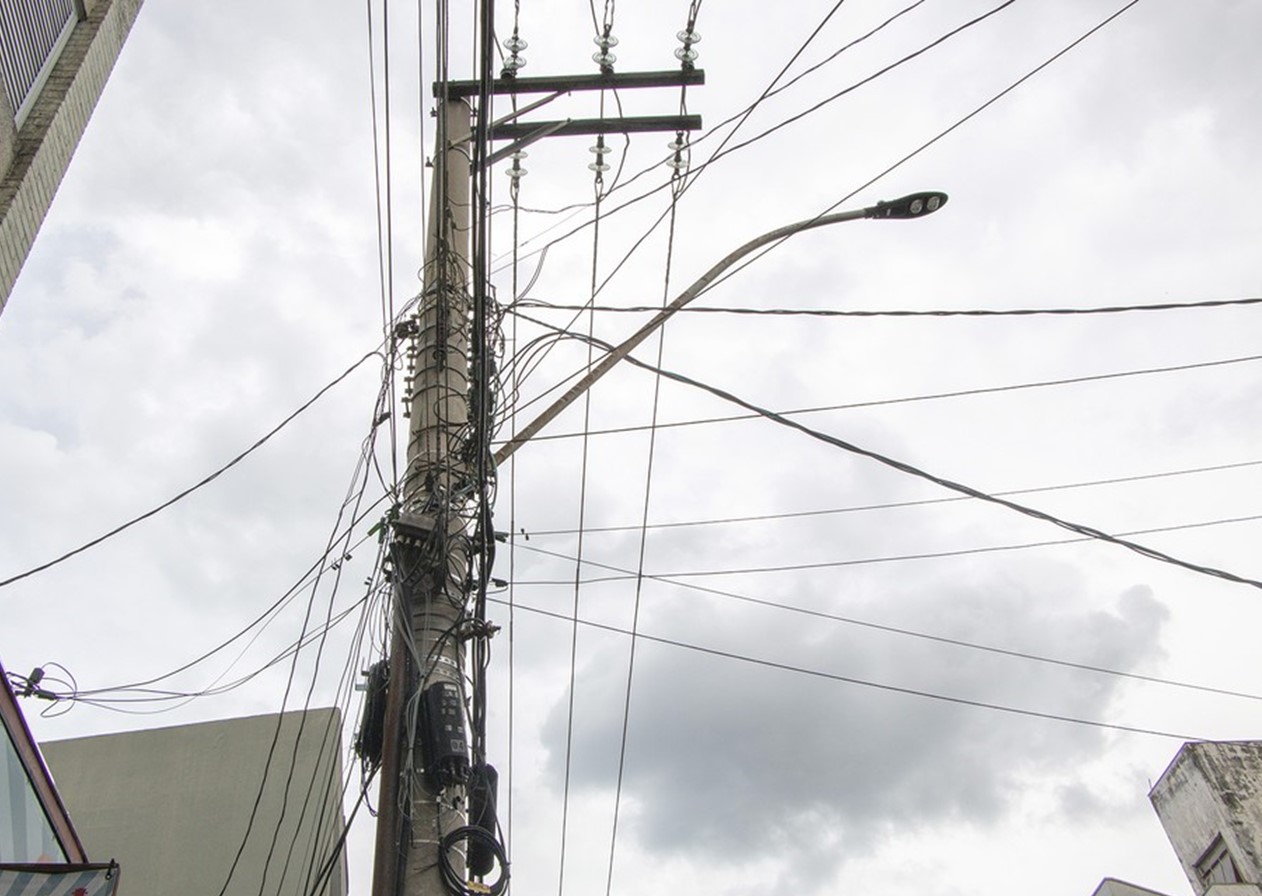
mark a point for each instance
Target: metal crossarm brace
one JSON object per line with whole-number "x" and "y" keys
{"x": 573, "y": 127}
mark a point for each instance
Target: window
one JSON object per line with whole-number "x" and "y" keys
{"x": 26, "y": 835}
{"x": 1216, "y": 866}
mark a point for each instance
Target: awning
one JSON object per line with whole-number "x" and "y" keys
{"x": 58, "y": 880}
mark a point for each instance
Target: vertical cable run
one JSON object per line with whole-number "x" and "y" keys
{"x": 420, "y": 112}
{"x": 582, "y": 508}
{"x": 515, "y": 195}
{"x": 384, "y": 267}
{"x": 389, "y": 319}
{"x": 676, "y": 192}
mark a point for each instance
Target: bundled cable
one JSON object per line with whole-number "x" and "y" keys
{"x": 456, "y": 883}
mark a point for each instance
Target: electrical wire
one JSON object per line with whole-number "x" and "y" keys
{"x": 314, "y": 676}
{"x": 977, "y": 20}
{"x": 675, "y": 581}
{"x": 582, "y": 510}
{"x": 939, "y": 136}
{"x": 195, "y": 486}
{"x": 385, "y": 241}
{"x": 945, "y": 312}
{"x": 958, "y": 487}
{"x": 271, "y": 611}
{"x": 868, "y": 683}
{"x": 890, "y": 505}
{"x": 742, "y": 116}
{"x": 836, "y": 53}
{"x": 643, "y": 548}
{"x": 890, "y": 168}
{"x": 933, "y": 396}
{"x": 353, "y": 500}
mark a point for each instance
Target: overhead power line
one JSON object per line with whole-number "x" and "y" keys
{"x": 901, "y": 558}
{"x": 961, "y": 488}
{"x": 977, "y": 20}
{"x": 195, "y": 486}
{"x": 908, "y": 399}
{"x": 892, "y": 505}
{"x": 903, "y": 467}
{"x": 936, "y": 312}
{"x": 912, "y": 470}
{"x": 673, "y": 580}
{"x": 960, "y": 122}
{"x": 867, "y": 683}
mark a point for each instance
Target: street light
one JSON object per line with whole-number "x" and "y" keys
{"x": 914, "y": 205}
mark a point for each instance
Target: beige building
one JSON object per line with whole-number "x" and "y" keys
{"x": 173, "y": 805}
{"x": 55, "y": 56}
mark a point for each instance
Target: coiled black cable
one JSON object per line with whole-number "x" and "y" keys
{"x": 456, "y": 884}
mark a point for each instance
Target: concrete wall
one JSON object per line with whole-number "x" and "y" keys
{"x": 34, "y": 158}
{"x": 1211, "y": 790}
{"x": 172, "y": 805}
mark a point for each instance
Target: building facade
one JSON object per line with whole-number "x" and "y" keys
{"x": 1209, "y": 801}
{"x": 254, "y": 803}
{"x": 55, "y": 56}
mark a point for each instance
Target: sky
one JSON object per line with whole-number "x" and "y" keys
{"x": 212, "y": 261}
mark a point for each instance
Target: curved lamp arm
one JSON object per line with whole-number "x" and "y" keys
{"x": 916, "y": 205}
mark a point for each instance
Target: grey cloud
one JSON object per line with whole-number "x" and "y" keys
{"x": 726, "y": 759}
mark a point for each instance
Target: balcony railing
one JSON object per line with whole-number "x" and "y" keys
{"x": 32, "y": 33}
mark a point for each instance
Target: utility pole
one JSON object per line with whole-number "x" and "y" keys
{"x": 424, "y": 763}
{"x": 436, "y": 808}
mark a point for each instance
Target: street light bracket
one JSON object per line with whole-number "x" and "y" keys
{"x": 914, "y": 205}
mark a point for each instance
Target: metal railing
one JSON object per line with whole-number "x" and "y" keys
{"x": 32, "y": 33}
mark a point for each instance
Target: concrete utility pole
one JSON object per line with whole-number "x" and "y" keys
{"x": 426, "y": 775}
{"x": 422, "y": 796}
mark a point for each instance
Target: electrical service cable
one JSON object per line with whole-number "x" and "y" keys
{"x": 933, "y": 140}
{"x": 195, "y": 486}
{"x": 278, "y": 604}
{"x": 939, "y": 312}
{"x": 892, "y": 505}
{"x": 909, "y": 633}
{"x": 582, "y": 511}
{"x": 867, "y": 683}
{"x": 385, "y": 240}
{"x": 695, "y": 172}
{"x": 934, "y": 396}
{"x": 930, "y": 555}
{"x": 959, "y": 29}
{"x": 643, "y": 548}
{"x": 338, "y": 538}
{"x": 958, "y": 487}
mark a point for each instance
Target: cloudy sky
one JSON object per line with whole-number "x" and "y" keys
{"x": 212, "y": 261}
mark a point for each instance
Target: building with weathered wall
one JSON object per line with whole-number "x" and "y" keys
{"x": 174, "y": 805}
{"x": 55, "y": 56}
{"x": 1209, "y": 801}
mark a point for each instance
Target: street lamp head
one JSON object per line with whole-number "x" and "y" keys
{"x": 915, "y": 205}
